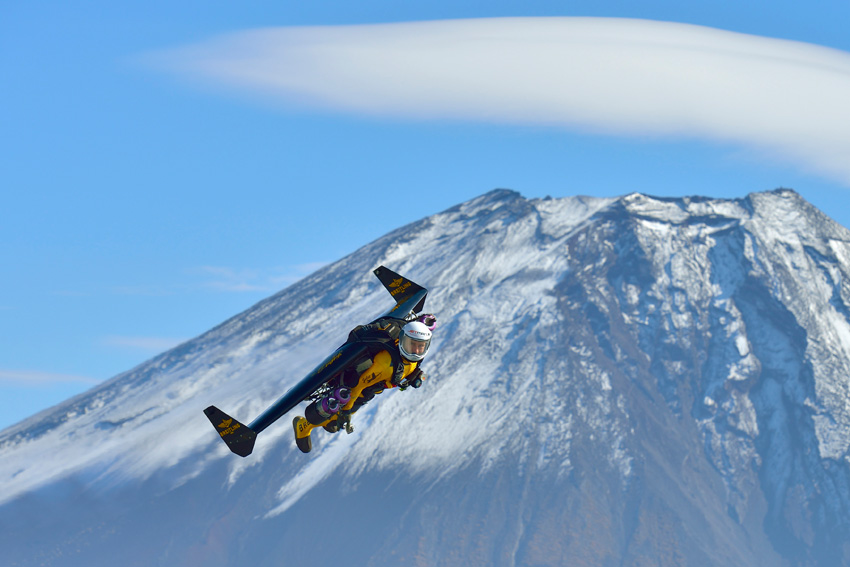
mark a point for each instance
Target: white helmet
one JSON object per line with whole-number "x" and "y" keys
{"x": 415, "y": 340}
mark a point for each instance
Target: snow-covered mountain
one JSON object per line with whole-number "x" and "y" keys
{"x": 628, "y": 381}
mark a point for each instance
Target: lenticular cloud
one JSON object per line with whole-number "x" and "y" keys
{"x": 615, "y": 76}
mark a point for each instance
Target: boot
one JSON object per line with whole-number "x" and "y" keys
{"x": 332, "y": 426}
{"x": 302, "y": 433}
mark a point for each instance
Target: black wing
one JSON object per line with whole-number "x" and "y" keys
{"x": 410, "y": 298}
{"x": 327, "y": 369}
{"x": 239, "y": 439}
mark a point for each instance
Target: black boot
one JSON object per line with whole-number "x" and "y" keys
{"x": 333, "y": 426}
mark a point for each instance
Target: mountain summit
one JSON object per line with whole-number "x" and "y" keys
{"x": 628, "y": 381}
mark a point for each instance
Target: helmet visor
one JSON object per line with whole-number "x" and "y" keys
{"x": 414, "y": 346}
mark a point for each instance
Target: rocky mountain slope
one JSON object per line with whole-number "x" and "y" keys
{"x": 629, "y": 381}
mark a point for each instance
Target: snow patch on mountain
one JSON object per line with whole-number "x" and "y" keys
{"x": 574, "y": 334}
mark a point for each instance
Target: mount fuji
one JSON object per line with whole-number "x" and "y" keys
{"x": 624, "y": 382}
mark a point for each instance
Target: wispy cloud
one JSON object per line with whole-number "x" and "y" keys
{"x": 142, "y": 290}
{"x": 616, "y": 76}
{"x": 146, "y": 344}
{"x": 228, "y": 279}
{"x": 224, "y": 279}
{"x": 35, "y": 378}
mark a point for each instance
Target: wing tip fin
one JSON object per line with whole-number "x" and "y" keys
{"x": 239, "y": 437}
{"x": 400, "y": 287}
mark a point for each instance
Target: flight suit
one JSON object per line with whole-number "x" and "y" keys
{"x": 382, "y": 374}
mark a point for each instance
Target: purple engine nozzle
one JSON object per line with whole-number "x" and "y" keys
{"x": 342, "y": 395}
{"x": 429, "y": 320}
{"x": 328, "y": 406}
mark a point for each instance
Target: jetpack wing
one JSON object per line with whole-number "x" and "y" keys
{"x": 327, "y": 369}
{"x": 240, "y": 438}
{"x": 409, "y": 296}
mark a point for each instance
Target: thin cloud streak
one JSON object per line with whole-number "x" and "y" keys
{"x": 226, "y": 279}
{"x": 146, "y": 344}
{"x": 615, "y": 76}
{"x": 35, "y": 378}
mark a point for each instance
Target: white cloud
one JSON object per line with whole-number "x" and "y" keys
{"x": 143, "y": 291}
{"x": 222, "y": 278}
{"x": 617, "y": 76}
{"x": 147, "y": 344}
{"x": 226, "y": 279}
{"x": 35, "y": 378}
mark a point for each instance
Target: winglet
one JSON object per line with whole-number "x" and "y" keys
{"x": 401, "y": 288}
{"x": 239, "y": 438}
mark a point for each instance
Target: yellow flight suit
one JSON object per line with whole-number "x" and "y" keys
{"x": 381, "y": 371}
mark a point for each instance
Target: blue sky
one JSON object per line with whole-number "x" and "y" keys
{"x": 148, "y": 193}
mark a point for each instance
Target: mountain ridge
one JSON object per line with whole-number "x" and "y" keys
{"x": 675, "y": 370}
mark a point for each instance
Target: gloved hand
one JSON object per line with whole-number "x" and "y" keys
{"x": 416, "y": 382}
